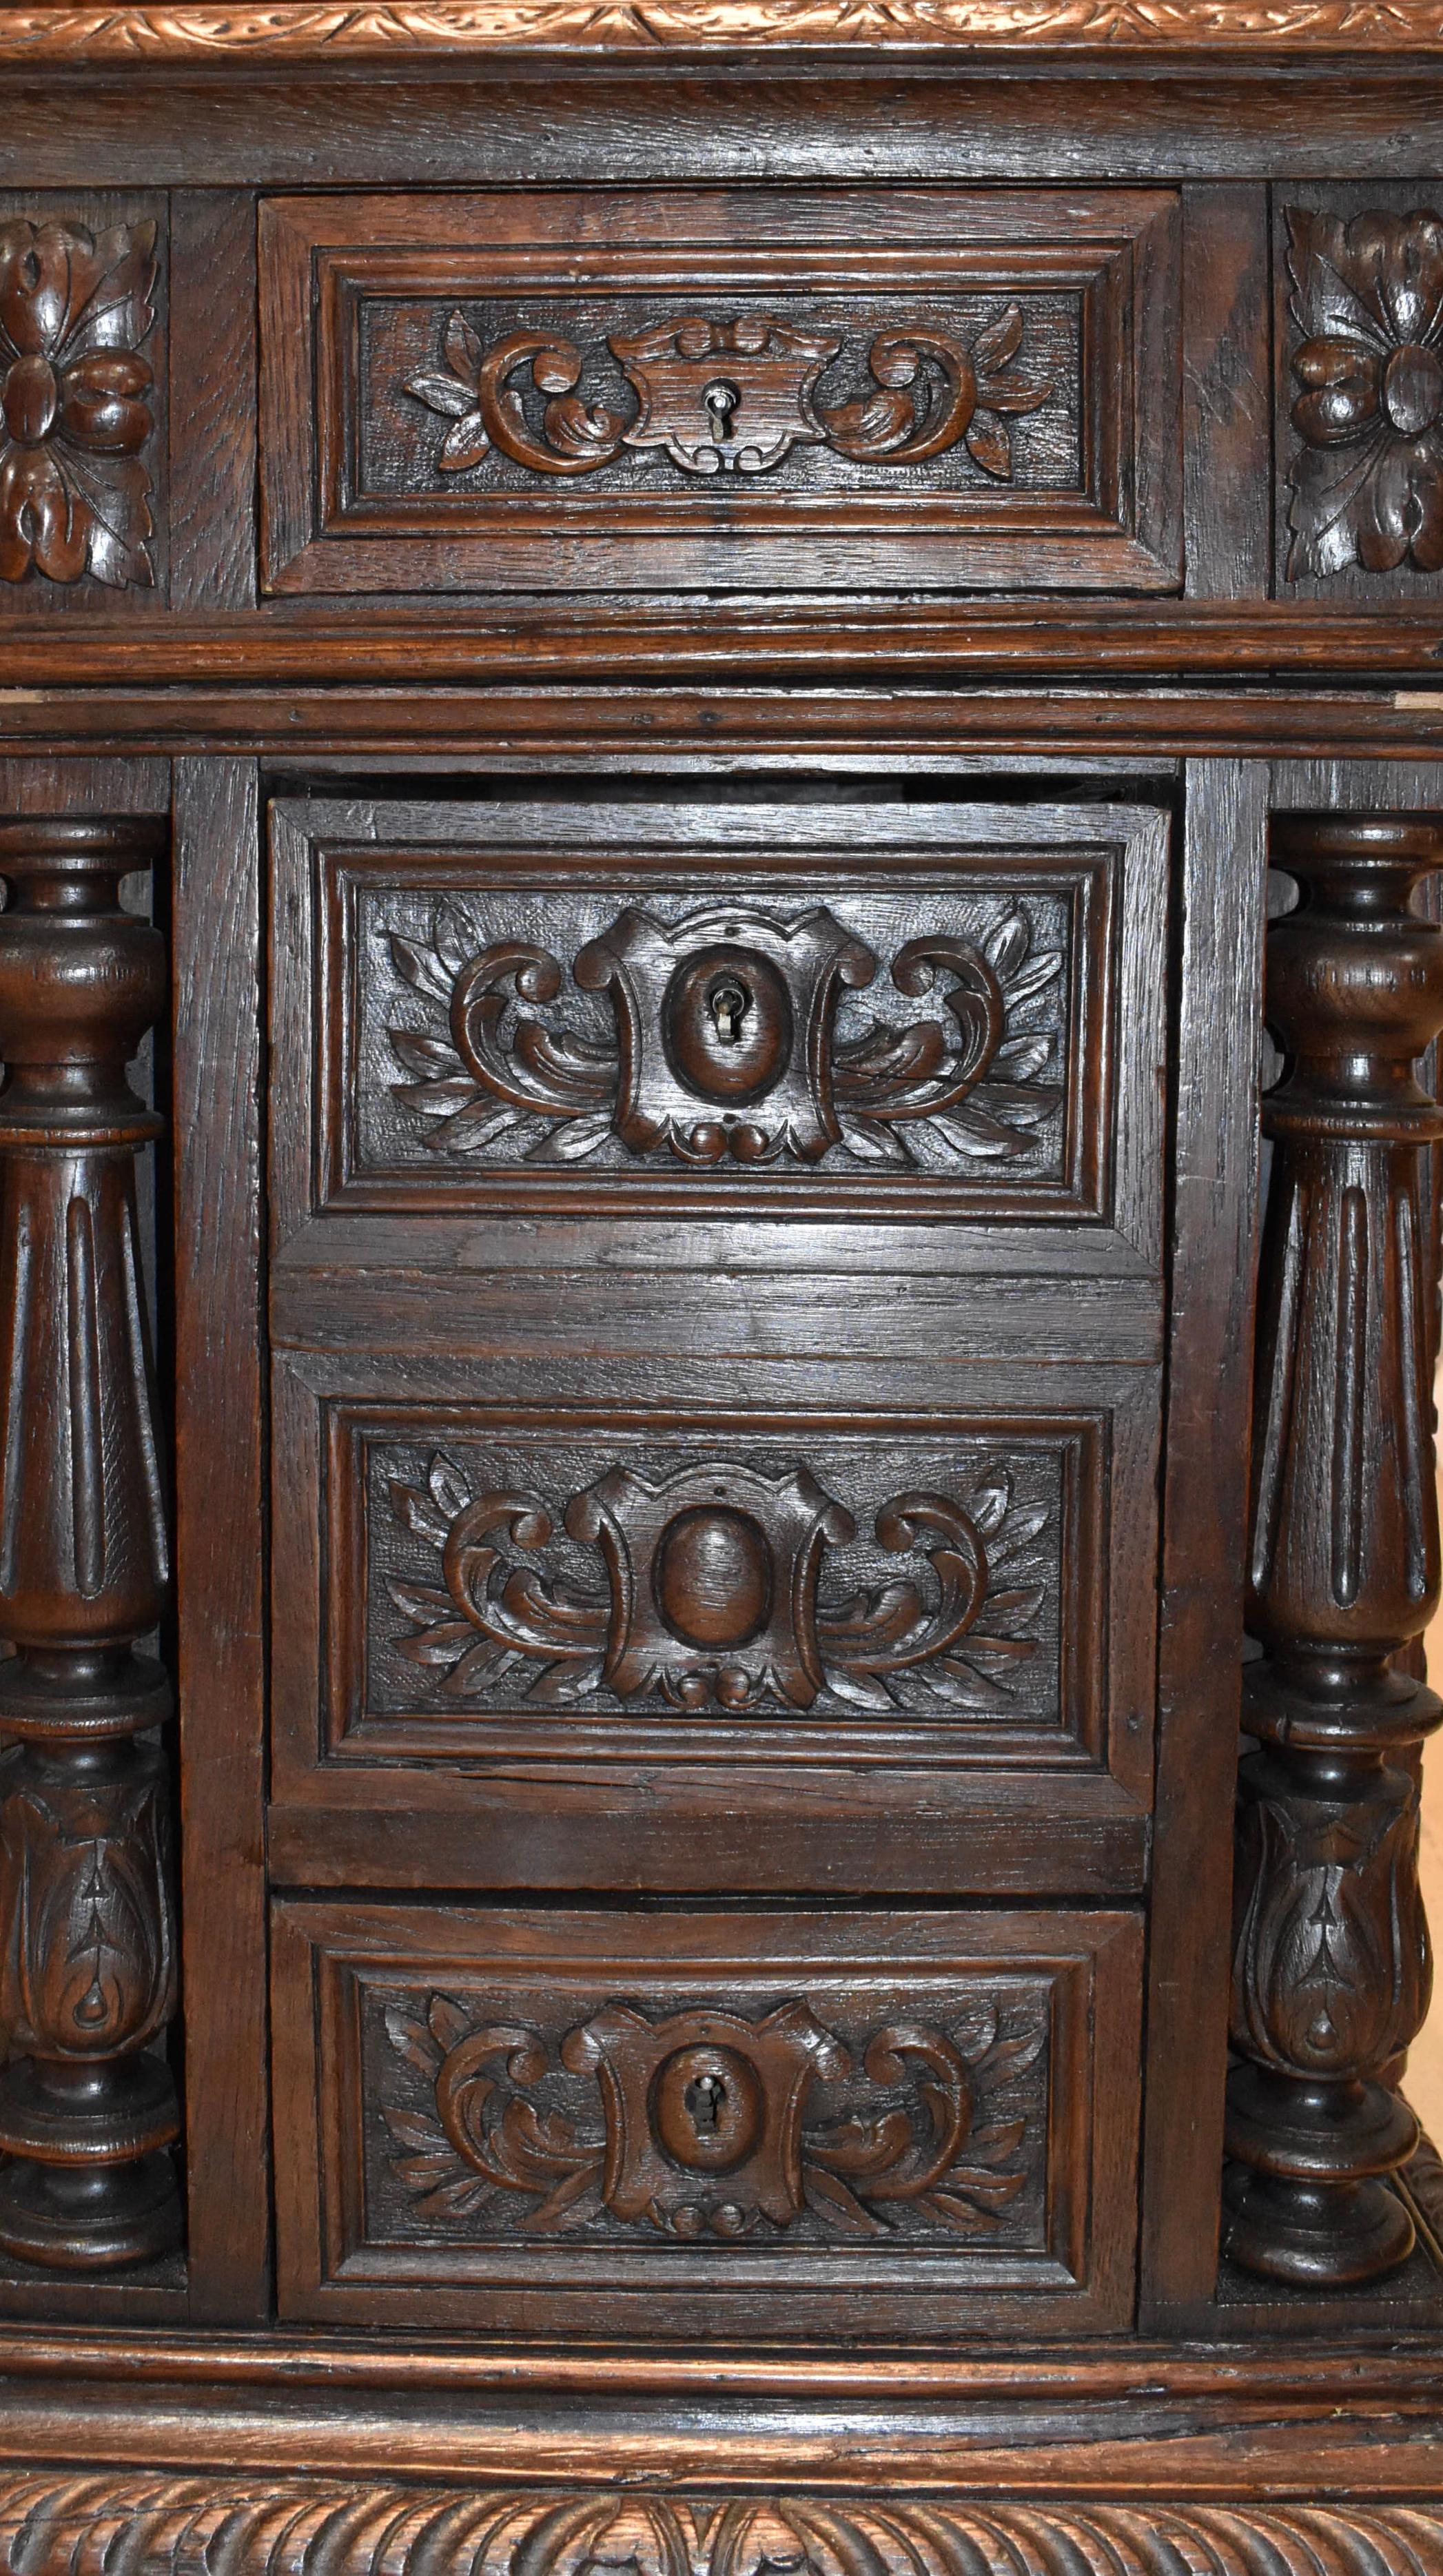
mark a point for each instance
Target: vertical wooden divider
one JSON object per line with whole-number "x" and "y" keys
{"x": 220, "y": 1468}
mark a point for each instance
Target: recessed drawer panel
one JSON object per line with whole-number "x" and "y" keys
{"x": 517, "y": 1647}
{"x": 775, "y": 389}
{"x": 895, "y": 1011}
{"x": 583, "y": 2122}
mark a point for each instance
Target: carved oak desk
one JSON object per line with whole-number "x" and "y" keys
{"x": 721, "y": 807}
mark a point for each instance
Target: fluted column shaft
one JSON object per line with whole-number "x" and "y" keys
{"x": 1331, "y": 1965}
{"x": 87, "y": 1949}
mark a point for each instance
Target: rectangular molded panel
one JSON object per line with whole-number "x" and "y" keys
{"x": 773, "y": 389}
{"x": 939, "y": 1012}
{"x": 511, "y": 1642}
{"x": 842, "y": 2124}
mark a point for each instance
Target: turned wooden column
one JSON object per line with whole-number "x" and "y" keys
{"x": 1331, "y": 1965}
{"x": 87, "y": 1972}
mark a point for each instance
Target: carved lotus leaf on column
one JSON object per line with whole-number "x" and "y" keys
{"x": 88, "y": 1964}
{"x": 74, "y": 418}
{"x": 697, "y": 2124}
{"x": 707, "y": 1592}
{"x": 1367, "y": 487}
{"x": 1331, "y": 1960}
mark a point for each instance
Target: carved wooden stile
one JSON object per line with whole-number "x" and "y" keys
{"x": 87, "y": 1970}
{"x": 1331, "y": 1966}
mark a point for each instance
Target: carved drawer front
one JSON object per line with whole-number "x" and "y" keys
{"x": 567, "y": 2121}
{"x": 904, "y": 1011}
{"x": 514, "y": 1648}
{"x": 781, "y": 388}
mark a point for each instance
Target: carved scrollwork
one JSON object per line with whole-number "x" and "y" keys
{"x": 74, "y": 415}
{"x": 1367, "y": 485}
{"x": 697, "y": 2124}
{"x": 731, "y": 397}
{"x": 708, "y": 1593}
{"x": 726, "y": 1051}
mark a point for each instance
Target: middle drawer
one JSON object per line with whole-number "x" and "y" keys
{"x": 518, "y": 1646}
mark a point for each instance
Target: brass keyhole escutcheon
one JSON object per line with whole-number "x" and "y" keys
{"x": 729, "y": 1002}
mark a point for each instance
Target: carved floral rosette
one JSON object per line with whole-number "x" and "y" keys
{"x": 75, "y": 418}
{"x": 1367, "y": 482}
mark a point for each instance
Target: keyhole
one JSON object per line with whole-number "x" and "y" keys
{"x": 729, "y": 1002}
{"x": 721, "y": 400}
{"x": 704, "y": 2097}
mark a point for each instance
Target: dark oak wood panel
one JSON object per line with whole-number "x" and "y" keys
{"x": 378, "y": 1683}
{"x": 752, "y": 2024}
{"x": 968, "y": 1024}
{"x": 965, "y": 390}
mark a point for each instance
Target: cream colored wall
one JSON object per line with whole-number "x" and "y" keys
{"x": 1425, "y": 2066}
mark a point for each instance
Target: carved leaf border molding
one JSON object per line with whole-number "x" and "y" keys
{"x": 923, "y": 2149}
{"x": 500, "y": 1620}
{"x": 487, "y": 1067}
{"x": 297, "y": 29}
{"x": 929, "y": 389}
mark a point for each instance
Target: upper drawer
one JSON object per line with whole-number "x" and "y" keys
{"x": 594, "y": 1010}
{"x": 769, "y": 388}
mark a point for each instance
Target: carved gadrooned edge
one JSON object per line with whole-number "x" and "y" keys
{"x": 175, "y": 2526}
{"x": 298, "y": 30}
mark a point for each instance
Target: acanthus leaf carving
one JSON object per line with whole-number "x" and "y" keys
{"x": 75, "y": 309}
{"x": 699, "y": 2123}
{"x": 711, "y": 1592}
{"x": 725, "y": 1049}
{"x": 731, "y": 396}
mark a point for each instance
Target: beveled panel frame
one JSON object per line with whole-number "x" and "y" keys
{"x": 799, "y": 255}
{"x": 1101, "y": 869}
{"x": 972, "y": 1802}
{"x": 346, "y": 2250}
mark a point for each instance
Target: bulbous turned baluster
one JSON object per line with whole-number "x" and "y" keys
{"x": 87, "y": 1949}
{"x": 1331, "y": 1965}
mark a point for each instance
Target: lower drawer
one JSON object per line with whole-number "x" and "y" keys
{"x": 824, "y": 2123}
